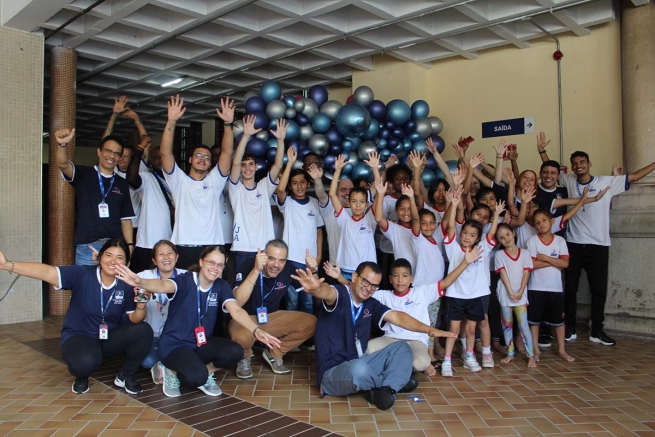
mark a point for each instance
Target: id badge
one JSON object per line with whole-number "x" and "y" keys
{"x": 103, "y": 210}
{"x": 358, "y": 345}
{"x": 200, "y": 336}
{"x": 262, "y": 315}
{"x": 103, "y": 331}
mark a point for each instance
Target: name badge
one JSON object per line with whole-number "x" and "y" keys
{"x": 103, "y": 210}
{"x": 103, "y": 331}
{"x": 200, "y": 336}
{"x": 262, "y": 315}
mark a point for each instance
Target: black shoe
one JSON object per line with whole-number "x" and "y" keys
{"x": 382, "y": 397}
{"x": 410, "y": 386}
{"x": 81, "y": 385}
{"x": 128, "y": 382}
{"x": 545, "y": 340}
{"x": 602, "y": 338}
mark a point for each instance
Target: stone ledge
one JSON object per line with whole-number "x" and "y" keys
{"x": 632, "y": 223}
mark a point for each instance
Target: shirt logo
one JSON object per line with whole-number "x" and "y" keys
{"x": 239, "y": 277}
{"x": 117, "y": 190}
{"x": 311, "y": 213}
{"x": 558, "y": 196}
{"x": 367, "y": 314}
{"x": 280, "y": 286}
{"x": 408, "y": 302}
{"x": 212, "y": 299}
{"x": 118, "y": 297}
{"x": 554, "y": 254}
{"x": 258, "y": 195}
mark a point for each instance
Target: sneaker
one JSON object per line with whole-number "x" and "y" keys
{"x": 411, "y": 385}
{"x": 128, "y": 382}
{"x": 602, "y": 338}
{"x": 472, "y": 364}
{"x": 277, "y": 365}
{"x": 171, "y": 384}
{"x": 157, "y": 374}
{"x": 570, "y": 335}
{"x": 487, "y": 361}
{"x": 382, "y": 397}
{"x": 244, "y": 371}
{"x": 211, "y": 388}
{"x": 81, "y": 385}
{"x": 463, "y": 356}
{"x": 311, "y": 347}
{"x": 447, "y": 369}
{"x": 545, "y": 340}
{"x": 295, "y": 350}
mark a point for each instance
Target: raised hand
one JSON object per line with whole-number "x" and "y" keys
{"x": 315, "y": 172}
{"x": 120, "y": 104}
{"x": 499, "y": 208}
{"x": 94, "y": 254}
{"x": 281, "y": 126}
{"x": 459, "y": 175}
{"x": 249, "y": 125}
{"x": 473, "y": 254}
{"x": 585, "y": 192}
{"x": 601, "y": 193}
{"x": 415, "y": 159}
{"x": 307, "y": 280}
{"x": 454, "y": 195}
{"x": 393, "y": 160}
{"x": 617, "y": 170}
{"x": 292, "y": 155}
{"x": 509, "y": 174}
{"x": 126, "y": 275}
{"x": 380, "y": 187}
{"x": 476, "y": 160}
{"x": 340, "y": 162}
{"x": 64, "y": 136}
{"x": 310, "y": 261}
{"x": 226, "y": 112}
{"x": 175, "y": 108}
{"x": 513, "y": 155}
{"x": 407, "y": 190}
{"x": 526, "y": 196}
{"x": 260, "y": 260}
{"x": 373, "y": 160}
{"x": 459, "y": 150}
{"x": 332, "y": 271}
{"x": 542, "y": 142}
{"x": 500, "y": 149}
{"x": 146, "y": 142}
{"x": 431, "y": 146}
{"x": 127, "y": 112}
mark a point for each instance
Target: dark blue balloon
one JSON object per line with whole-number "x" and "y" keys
{"x": 382, "y": 143}
{"x": 415, "y": 136}
{"x": 420, "y": 109}
{"x": 293, "y": 131}
{"x": 385, "y": 134}
{"x": 385, "y": 154}
{"x": 398, "y": 133}
{"x": 356, "y": 142}
{"x": 410, "y": 126}
{"x": 398, "y": 111}
{"x": 333, "y": 135}
{"x": 361, "y": 170}
{"x": 378, "y": 110}
{"x": 372, "y": 131}
{"x": 439, "y": 142}
{"x": 428, "y": 177}
{"x": 393, "y": 143}
{"x": 347, "y": 169}
{"x": 270, "y": 154}
{"x": 420, "y": 146}
{"x": 303, "y": 152}
{"x": 270, "y": 91}
{"x": 272, "y": 124}
{"x": 302, "y": 119}
{"x": 347, "y": 145}
{"x": 289, "y": 101}
{"x": 255, "y": 104}
{"x": 389, "y": 124}
{"x": 321, "y": 123}
{"x": 335, "y": 149}
{"x": 257, "y": 147}
{"x": 431, "y": 164}
{"x": 319, "y": 94}
{"x": 328, "y": 162}
{"x": 262, "y": 168}
{"x": 352, "y": 120}
{"x": 237, "y": 139}
{"x": 261, "y": 121}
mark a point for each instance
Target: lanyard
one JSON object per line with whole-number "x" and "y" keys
{"x": 162, "y": 298}
{"x": 163, "y": 184}
{"x": 103, "y": 307}
{"x": 102, "y": 187}
{"x": 352, "y": 310}
{"x": 577, "y": 185}
{"x": 206, "y": 302}
{"x": 261, "y": 287}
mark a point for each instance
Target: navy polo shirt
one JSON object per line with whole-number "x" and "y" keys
{"x": 179, "y": 329}
{"x": 84, "y": 314}
{"x": 335, "y": 331}
{"x": 275, "y": 289}
{"x": 90, "y": 227}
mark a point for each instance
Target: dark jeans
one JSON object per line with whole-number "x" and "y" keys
{"x": 240, "y": 258}
{"x": 141, "y": 259}
{"x": 594, "y": 260}
{"x": 84, "y": 355}
{"x": 494, "y": 310}
{"x": 188, "y": 256}
{"x": 190, "y": 365}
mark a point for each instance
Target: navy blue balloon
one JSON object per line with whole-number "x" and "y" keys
{"x": 321, "y": 123}
{"x": 420, "y": 109}
{"x": 352, "y": 120}
{"x": 415, "y": 136}
{"x": 297, "y": 144}
{"x": 439, "y": 142}
{"x": 303, "y": 152}
{"x": 262, "y": 167}
{"x": 389, "y": 124}
{"x": 301, "y": 119}
{"x": 410, "y": 126}
{"x": 378, "y": 110}
{"x": 289, "y": 101}
{"x": 431, "y": 164}
{"x": 420, "y": 147}
{"x": 257, "y": 147}
{"x": 361, "y": 170}
{"x": 237, "y": 139}
{"x": 319, "y": 94}
{"x": 270, "y": 154}
{"x": 261, "y": 121}
{"x": 347, "y": 169}
{"x": 385, "y": 134}
{"x": 398, "y": 111}
{"x": 398, "y": 133}
{"x": 272, "y": 142}
{"x": 372, "y": 131}
{"x": 385, "y": 154}
{"x": 270, "y": 91}
{"x": 335, "y": 149}
{"x": 293, "y": 131}
{"x": 333, "y": 135}
{"x": 347, "y": 145}
{"x": 255, "y": 104}
{"x": 382, "y": 143}
{"x": 328, "y": 162}
{"x": 272, "y": 125}
{"x": 428, "y": 177}
{"x": 393, "y": 143}
{"x": 356, "y": 142}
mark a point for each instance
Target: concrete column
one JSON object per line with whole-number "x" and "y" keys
{"x": 61, "y": 204}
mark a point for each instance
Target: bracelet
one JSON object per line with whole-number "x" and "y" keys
{"x": 541, "y": 152}
{"x": 315, "y": 271}
{"x": 130, "y": 244}
{"x": 137, "y": 122}
{"x": 247, "y": 279}
{"x": 498, "y": 157}
{"x": 255, "y": 330}
{"x": 13, "y": 264}
{"x": 63, "y": 145}
{"x": 228, "y": 124}
{"x": 140, "y": 149}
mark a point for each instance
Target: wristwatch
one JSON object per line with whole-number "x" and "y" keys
{"x": 228, "y": 124}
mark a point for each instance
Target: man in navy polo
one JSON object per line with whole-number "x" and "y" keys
{"x": 342, "y": 334}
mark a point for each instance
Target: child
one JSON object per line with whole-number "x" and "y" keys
{"x": 514, "y": 267}
{"x": 303, "y": 226}
{"x": 399, "y": 234}
{"x": 467, "y": 296}
{"x": 545, "y": 290}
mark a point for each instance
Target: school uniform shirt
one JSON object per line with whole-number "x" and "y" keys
{"x": 154, "y": 221}
{"x": 332, "y": 228}
{"x": 545, "y": 199}
{"x": 157, "y": 305}
{"x": 336, "y": 332}
{"x": 527, "y": 231}
{"x": 271, "y": 292}
{"x": 549, "y": 278}
{"x": 474, "y": 280}
{"x": 414, "y": 302}
{"x": 515, "y": 267}
{"x": 253, "y": 219}
{"x": 227, "y": 216}
{"x": 85, "y": 313}
{"x": 301, "y": 223}
{"x": 591, "y": 225}
{"x": 179, "y": 329}
{"x": 90, "y": 227}
{"x": 430, "y": 264}
{"x": 400, "y": 237}
{"x": 197, "y": 209}
{"x": 134, "y": 195}
{"x": 389, "y": 213}
{"x": 357, "y": 244}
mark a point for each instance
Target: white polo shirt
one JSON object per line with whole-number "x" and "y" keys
{"x": 253, "y": 219}
{"x": 514, "y": 267}
{"x": 549, "y": 278}
{"x": 301, "y": 221}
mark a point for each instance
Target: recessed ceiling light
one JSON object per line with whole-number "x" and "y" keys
{"x": 172, "y": 82}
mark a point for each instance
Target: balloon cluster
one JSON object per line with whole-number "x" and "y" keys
{"x": 328, "y": 128}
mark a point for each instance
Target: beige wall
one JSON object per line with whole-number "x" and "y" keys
{"x": 508, "y": 82}
{"x": 21, "y": 115}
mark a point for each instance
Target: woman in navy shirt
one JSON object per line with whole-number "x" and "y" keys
{"x": 95, "y": 327}
{"x": 187, "y": 347}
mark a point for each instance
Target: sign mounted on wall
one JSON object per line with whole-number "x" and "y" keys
{"x": 504, "y": 128}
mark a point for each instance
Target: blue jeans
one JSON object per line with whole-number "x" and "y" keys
{"x": 153, "y": 356}
{"x": 391, "y": 366}
{"x": 83, "y": 254}
{"x": 299, "y": 300}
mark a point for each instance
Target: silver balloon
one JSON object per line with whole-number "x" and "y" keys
{"x": 299, "y": 105}
{"x": 310, "y": 109}
{"x": 328, "y": 175}
{"x": 275, "y": 109}
{"x": 306, "y": 132}
{"x": 250, "y": 94}
{"x": 437, "y": 125}
{"x": 290, "y": 113}
{"x": 353, "y": 158}
{"x": 423, "y": 127}
{"x": 262, "y": 135}
{"x": 381, "y": 167}
{"x": 237, "y": 128}
{"x": 363, "y": 95}
{"x": 297, "y": 165}
{"x": 319, "y": 144}
{"x": 365, "y": 148}
{"x": 330, "y": 108}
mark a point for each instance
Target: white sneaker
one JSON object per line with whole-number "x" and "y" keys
{"x": 447, "y": 369}
{"x": 157, "y": 374}
{"x": 171, "y": 384}
{"x": 211, "y": 388}
{"x": 472, "y": 364}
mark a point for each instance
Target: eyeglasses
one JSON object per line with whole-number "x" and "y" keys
{"x": 202, "y": 156}
{"x": 109, "y": 152}
{"x": 369, "y": 286}
{"x": 126, "y": 156}
{"x": 214, "y": 264}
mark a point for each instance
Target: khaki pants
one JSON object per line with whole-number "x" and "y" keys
{"x": 291, "y": 327}
{"x": 420, "y": 357}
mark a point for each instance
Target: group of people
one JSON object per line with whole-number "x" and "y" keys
{"x": 469, "y": 254}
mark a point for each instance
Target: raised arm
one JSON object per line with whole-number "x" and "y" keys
{"x": 339, "y": 163}
{"x": 129, "y": 113}
{"x": 373, "y": 162}
{"x": 119, "y": 106}
{"x": 526, "y": 197}
{"x": 513, "y": 157}
{"x": 248, "y": 131}
{"x": 500, "y": 153}
{"x": 511, "y": 189}
{"x": 42, "y": 272}
{"x": 472, "y": 255}
{"x": 455, "y": 196}
{"x": 316, "y": 173}
{"x": 284, "y": 180}
{"x": 639, "y": 174}
{"x": 132, "y": 174}
{"x": 63, "y": 137}
{"x": 440, "y": 162}
{"x": 175, "y": 112}
{"x": 378, "y": 203}
{"x": 498, "y": 210}
{"x": 280, "y": 132}
{"x": 316, "y": 287}
{"x": 417, "y": 182}
{"x": 542, "y": 142}
{"x": 226, "y": 114}
{"x": 161, "y": 286}
{"x": 244, "y": 290}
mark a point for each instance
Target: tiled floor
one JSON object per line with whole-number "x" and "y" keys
{"x": 606, "y": 392}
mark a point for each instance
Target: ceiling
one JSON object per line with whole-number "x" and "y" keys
{"x": 229, "y": 47}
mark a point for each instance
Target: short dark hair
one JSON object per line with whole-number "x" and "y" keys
{"x": 435, "y": 185}
{"x": 425, "y": 211}
{"x": 394, "y": 169}
{"x": 200, "y": 146}
{"x": 162, "y": 243}
{"x": 295, "y": 172}
{"x": 550, "y": 163}
{"x": 401, "y": 263}
{"x": 115, "y": 242}
{"x": 368, "y": 264}
{"x": 579, "y": 154}
{"x": 400, "y": 200}
{"x": 311, "y": 154}
{"x": 357, "y": 189}
{"x": 479, "y": 206}
{"x": 117, "y": 139}
{"x": 544, "y": 212}
{"x": 280, "y": 244}
{"x": 477, "y": 226}
{"x": 248, "y": 157}
{"x": 483, "y": 191}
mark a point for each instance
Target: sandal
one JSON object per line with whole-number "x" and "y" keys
{"x": 436, "y": 364}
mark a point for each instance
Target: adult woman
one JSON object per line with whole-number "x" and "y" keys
{"x": 94, "y": 328}
{"x": 186, "y": 345}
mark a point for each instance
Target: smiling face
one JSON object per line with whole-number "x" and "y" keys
{"x": 532, "y": 207}
{"x": 489, "y": 199}
{"x": 469, "y": 236}
{"x": 248, "y": 169}
{"x": 108, "y": 156}
{"x": 276, "y": 259}
{"x": 506, "y": 237}
{"x": 527, "y": 179}
{"x": 548, "y": 176}
{"x": 580, "y": 166}
{"x": 298, "y": 185}
{"x": 109, "y": 259}
{"x": 165, "y": 259}
{"x": 481, "y": 215}
{"x": 212, "y": 265}
{"x": 475, "y": 186}
{"x": 125, "y": 159}
{"x": 399, "y": 179}
{"x": 428, "y": 224}
{"x": 343, "y": 190}
{"x": 401, "y": 278}
{"x": 363, "y": 286}
{"x": 201, "y": 160}
{"x": 403, "y": 209}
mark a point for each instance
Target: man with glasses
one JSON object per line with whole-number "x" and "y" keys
{"x": 342, "y": 333}
{"x": 104, "y": 208}
{"x": 196, "y": 195}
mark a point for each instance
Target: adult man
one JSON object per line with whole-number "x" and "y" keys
{"x": 196, "y": 195}
{"x": 104, "y": 209}
{"x": 342, "y": 333}
{"x": 260, "y": 286}
{"x": 588, "y": 239}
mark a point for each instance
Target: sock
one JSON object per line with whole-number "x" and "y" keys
{"x": 463, "y": 341}
{"x": 470, "y": 354}
{"x": 446, "y": 358}
{"x": 486, "y": 350}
